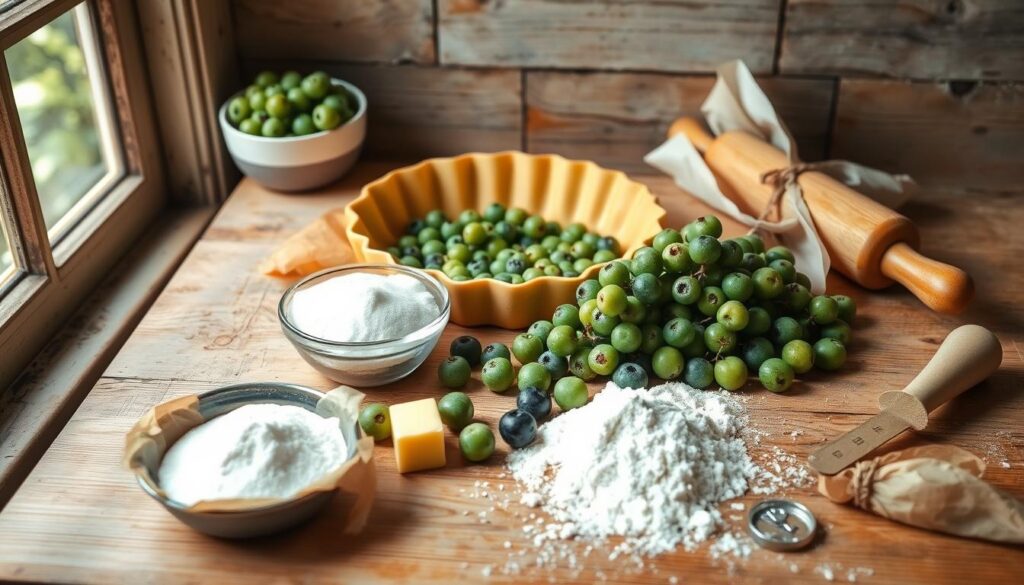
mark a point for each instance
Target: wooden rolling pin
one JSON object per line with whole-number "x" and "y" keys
{"x": 866, "y": 240}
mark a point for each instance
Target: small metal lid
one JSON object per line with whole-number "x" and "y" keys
{"x": 781, "y": 525}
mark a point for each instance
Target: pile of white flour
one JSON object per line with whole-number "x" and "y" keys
{"x": 256, "y": 451}
{"x": 649, "y": 465}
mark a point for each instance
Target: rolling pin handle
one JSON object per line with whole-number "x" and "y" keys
{"x": 694, "y": 130}
{"x": 944, "y": 288}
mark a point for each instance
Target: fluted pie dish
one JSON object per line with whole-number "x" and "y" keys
{"x": 558, "y": 189}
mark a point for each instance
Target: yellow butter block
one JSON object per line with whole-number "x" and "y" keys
{"x": 418, "y": 435}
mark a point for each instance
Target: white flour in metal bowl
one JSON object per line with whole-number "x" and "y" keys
{"x": 649, "y": 465}
{"x": 256, "y": 451}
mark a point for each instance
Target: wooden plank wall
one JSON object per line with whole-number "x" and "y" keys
{"x": 616, "y": 118}
{"x": 934, "y": 88}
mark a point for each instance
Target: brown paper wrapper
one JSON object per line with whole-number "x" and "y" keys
{"x": 165, "y": 423}
{"x": 321, "y": 244}
{"x": 937, "y": 487}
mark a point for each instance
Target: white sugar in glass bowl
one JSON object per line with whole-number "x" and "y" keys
{"x": 366, "y": 363}
{"x": 298, "y": 163}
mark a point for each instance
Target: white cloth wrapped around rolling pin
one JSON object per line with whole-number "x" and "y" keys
{"x": 736, "y": 102}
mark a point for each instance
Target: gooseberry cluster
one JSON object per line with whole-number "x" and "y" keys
{"x": 517, "y": 427}
{"x": 290, "y": 105}
{"x": 509, "y": 245}
{"x": 694, "y": 307}
{"x": 691, "y": 306}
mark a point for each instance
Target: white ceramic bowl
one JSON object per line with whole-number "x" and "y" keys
{"x": 298, "y": 163}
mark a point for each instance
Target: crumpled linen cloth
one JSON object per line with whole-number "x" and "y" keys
{"x": 937, "y": 487}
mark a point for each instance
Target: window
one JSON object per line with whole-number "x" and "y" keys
{"x": 6, "y": 259}
{"x": 80, "y": 171}
{"x": 64, "y": 108}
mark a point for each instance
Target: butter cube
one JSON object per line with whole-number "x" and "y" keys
{"x": 418, "y": 435}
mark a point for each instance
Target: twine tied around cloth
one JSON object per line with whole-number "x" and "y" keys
{"x": 863, "y": 478}
{"x": 737, "y": 103}
{"x": 781, "y": 180}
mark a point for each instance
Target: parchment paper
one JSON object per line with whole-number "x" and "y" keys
{"x": 736, "y": 102}
{"x": 937, "y": 487}
{"x": 321, "y": 244}
{"x": 165, "y": 423}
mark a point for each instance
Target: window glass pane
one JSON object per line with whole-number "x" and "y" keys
{"x": 6, "y": 259}
{"x": 58, "y": 91}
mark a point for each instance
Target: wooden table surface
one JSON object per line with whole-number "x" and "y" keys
{"x": 80, "y": 518}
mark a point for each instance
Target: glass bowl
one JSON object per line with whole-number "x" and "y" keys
{"x": 366, "y": 363}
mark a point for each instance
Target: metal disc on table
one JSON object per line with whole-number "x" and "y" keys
{"x": 781, "y": 525}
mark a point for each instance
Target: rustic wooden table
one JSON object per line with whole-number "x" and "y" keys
{"x": 80, "y": 518}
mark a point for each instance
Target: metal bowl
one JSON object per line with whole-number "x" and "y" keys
{"x": 267, "y": 519}
{"x": 366, "y": 363}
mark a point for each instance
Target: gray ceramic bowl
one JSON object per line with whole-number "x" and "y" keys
{"x": 298, "y": 163}
{"x": 268, "y": 519}
{"x": 366, "y": 363}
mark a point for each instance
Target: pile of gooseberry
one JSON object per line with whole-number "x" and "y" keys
{"x": 509, "y": 245}
{"x": 690, "y": 307}
{"x": 476, "y": 441}
{"x": 693, "y": 307}
{"x": 517, "y": 427}
{"x": 290, "y": 105}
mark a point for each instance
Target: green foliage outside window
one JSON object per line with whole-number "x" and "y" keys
{"x": 55, "y": 104}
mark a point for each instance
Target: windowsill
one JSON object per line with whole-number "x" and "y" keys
{"x": 46, "y": 394}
